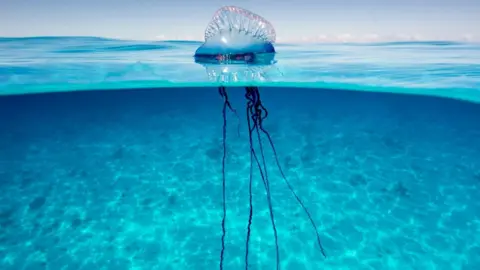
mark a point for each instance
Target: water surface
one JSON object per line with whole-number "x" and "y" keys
{"x": 43, "y": 64}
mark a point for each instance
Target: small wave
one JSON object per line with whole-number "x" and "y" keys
{"x": 183, "y": 42}
{"x": 140, "y": 47}
{"x": 74, "y": 44}
{"x": 19, "y": 70}
{"x": 425, "y": 43}
{"x": 118, "y": 48}
{"x": 36, "y": 39}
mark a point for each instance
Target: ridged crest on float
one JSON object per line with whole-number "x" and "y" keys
{"x": 241, "y": 20}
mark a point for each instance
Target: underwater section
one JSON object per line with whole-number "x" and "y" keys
{"x": 50, "y": 64}
{"x": 131, "y": 179}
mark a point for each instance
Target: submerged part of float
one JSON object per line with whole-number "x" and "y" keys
{"x": 241, "y": 74}
{"x": 236, "y": 35}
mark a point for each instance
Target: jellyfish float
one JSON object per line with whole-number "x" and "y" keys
{"x": 236, "y": 36}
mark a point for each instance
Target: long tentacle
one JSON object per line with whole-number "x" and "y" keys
{"x": 255, "y": 115}
{"x": 294, "y": 193}
{"x": 269, "y": 200}
{"x": 223, "y": 93}
{"x": 260, "y": 126}
{"x": 250, "y": 214}
{"x": 226, "y": 103}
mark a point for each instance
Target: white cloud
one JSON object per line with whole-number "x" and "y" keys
{"x": 373, "y": 37}
{"x": 175, "y": 37}
{"x": 343, "y": 38}
{"x": 469, "y": 38}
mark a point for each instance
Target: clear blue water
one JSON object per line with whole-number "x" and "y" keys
{"x": 131, "y": 179}
{"x": 71, "y": 63}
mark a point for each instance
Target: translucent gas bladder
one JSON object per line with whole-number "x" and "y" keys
{"x": 236, "y": 35}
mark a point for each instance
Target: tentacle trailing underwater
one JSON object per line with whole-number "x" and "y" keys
{"x": 226, "y": 104}
{"x": 260, "y": 126}
{"x": 256, "y": 113}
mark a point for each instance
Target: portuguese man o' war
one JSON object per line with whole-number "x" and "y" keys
{"x": 238, "y": 36}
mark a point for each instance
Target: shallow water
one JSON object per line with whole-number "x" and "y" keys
{"x": 71, "y": 63}
{"x": 131, "y": 179}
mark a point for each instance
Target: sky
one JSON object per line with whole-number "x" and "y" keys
{"x": 294, "y": 20}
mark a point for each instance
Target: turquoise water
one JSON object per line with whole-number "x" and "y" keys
{"x": 131, "y": 178}
{"x": 64, "y": 63}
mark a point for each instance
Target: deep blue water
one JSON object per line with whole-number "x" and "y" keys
{"x": 132, "y": 180}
